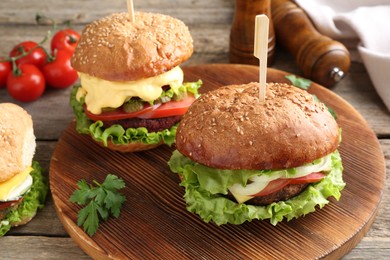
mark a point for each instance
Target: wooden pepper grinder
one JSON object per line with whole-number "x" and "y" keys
{"x": 242, "y": 32}
{"x": 320, "y": 58}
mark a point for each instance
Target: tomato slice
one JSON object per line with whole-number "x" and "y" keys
{"x": 279, "y": 184}
{"x": 118, "y": 113}
{"x": 7, "y": 204}
{"x": 312, "y": 177}
{"x": 272, "y": 187}
{"x": 172, "y": 108}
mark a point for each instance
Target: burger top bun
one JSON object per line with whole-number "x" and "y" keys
{"x": 116, "y": 49}
{"x": 230, "y": 129}
{"x": 17, "y": 140}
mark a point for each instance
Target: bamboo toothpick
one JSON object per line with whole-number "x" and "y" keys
{"x": 261, "y": 51}
{"x": 130, "y": 9}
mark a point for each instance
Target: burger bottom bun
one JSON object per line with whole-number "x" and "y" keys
{"x": 130, "y": 147}
{"x": 24, "y": 220}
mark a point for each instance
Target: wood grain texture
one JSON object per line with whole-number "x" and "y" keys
{"x": 40, "y": 247}
{"x": 81, "y": 12}
{"x": 154, "y": 222}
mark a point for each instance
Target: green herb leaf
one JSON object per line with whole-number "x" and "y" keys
{"x": 112, "y": 182}
{"x": 114, "y": 203}
{"x": 332, "y": 112}
{"x": 81, "y": 196}
{"x": 100, "y": 200}
{"x": 88, "y": 217}
{"x": 299, "y": 82}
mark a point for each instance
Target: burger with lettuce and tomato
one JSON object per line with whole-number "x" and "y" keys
{"x": 23, "y": 188}
{"x": 240, "y": 159}
{"x": 132, "y": 93}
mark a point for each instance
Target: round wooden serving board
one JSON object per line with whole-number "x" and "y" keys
{"x": 154, "y": 222}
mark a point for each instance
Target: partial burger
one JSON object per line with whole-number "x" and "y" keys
{"x": 132, "y": 94}
{"x": 241, "y": 159}
{"x": 23, "y": 189}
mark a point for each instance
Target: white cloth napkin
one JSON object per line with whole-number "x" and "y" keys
{"x": 368, "y": 22}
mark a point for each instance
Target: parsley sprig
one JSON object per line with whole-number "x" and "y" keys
{"x": 101, "y": 200}
{"x": 299, "y": 82}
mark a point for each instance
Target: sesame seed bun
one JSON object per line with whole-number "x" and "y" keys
{"x": 116, "y": 49}
{"x": 17, "y": 140}
{"x": 230, "y": 129}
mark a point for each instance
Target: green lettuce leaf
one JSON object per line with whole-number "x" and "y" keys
{"x": 82, "y": 121}
{"x": 299, "y": 82}
{"x": 187, "y": 87}
{"x": 33, "y": 200}
{"x": 217, "y": 208}
{"x": 116, "y": 133}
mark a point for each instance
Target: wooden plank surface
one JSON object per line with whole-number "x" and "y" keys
{"x": 209, "y": 23}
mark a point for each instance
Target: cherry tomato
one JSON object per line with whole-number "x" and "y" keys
{"x": 37, "y": 56}
{"x": 59, "y": 73}
{"x": 66, "y": 39}
{"x": 28, "y": 86}
{"x": 5, "y": 69}
{"x": 312, "y": 177}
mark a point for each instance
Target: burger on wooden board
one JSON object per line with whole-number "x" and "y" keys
{"x": 132, "y": 94}
{"x": 240, "y": 159}
{"x": 22, "y": 187}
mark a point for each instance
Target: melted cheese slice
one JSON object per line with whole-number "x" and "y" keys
{"x": 101, "y": 93}
{"x": 16, "y": 186}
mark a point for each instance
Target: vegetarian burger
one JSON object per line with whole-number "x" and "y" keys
{"x": 22, "y": 187}
{"x": 240, "y": 159}
{"x": 132, "y": 93}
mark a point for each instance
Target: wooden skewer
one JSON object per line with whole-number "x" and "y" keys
{"x": 261, "y": 50}
{"x": 130, "y": 9}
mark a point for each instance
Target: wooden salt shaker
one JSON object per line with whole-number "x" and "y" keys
{"x": 242, "y": 32}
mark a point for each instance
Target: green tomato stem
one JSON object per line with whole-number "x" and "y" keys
{"x": 15, "y": 69}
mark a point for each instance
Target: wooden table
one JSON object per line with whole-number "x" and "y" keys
{"x": 209, "y": 23}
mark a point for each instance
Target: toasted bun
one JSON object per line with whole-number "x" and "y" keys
{"x": 116, "y": 49}
{"x": 17, "y": 140}
{"x": 24, "y": 220}
{"x": 230, "y": 129}
{"x": 130, "y": 147}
